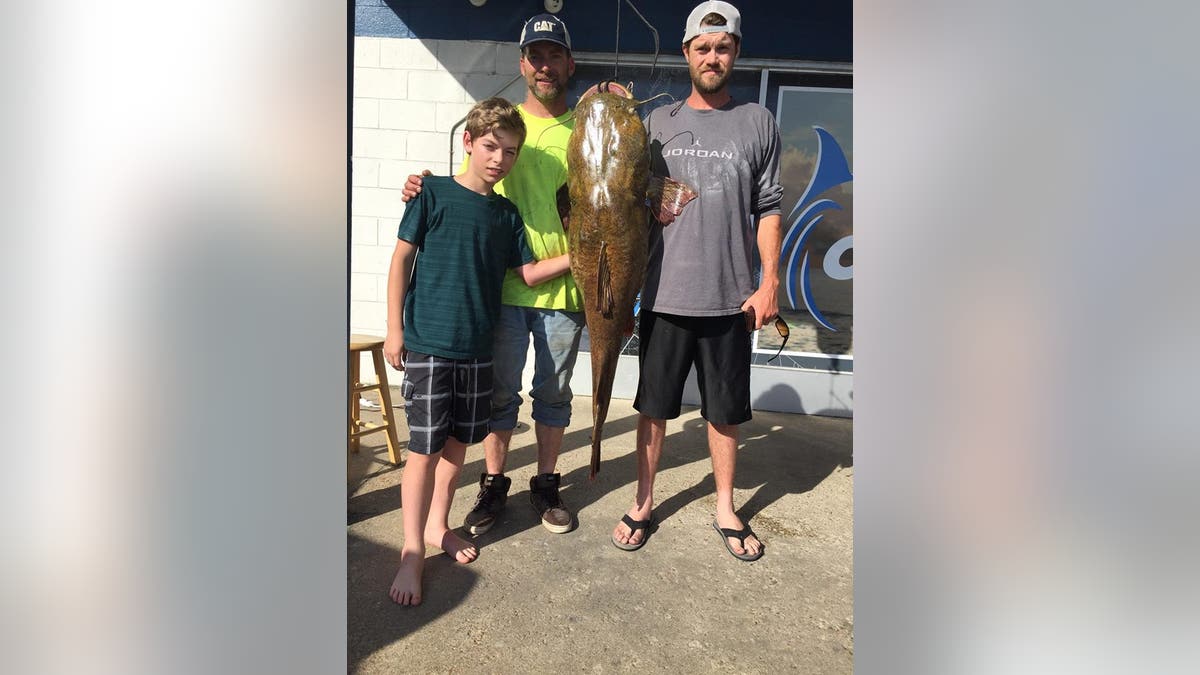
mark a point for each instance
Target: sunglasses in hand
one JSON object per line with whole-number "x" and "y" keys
{"x": 780, "y": 325}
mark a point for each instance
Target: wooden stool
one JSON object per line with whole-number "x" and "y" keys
{"x": 359, "y": 428}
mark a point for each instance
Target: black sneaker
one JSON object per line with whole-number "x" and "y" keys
{"x": 543, "y": 495}
{"x": 493, "y": 493}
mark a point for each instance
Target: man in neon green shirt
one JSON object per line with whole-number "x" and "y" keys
{"x": 551, "y": 312}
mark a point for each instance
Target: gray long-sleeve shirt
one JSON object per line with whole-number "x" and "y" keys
{"x": 703, "y": 264}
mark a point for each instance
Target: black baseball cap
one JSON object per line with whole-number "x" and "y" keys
{"x": 545, "y": 27}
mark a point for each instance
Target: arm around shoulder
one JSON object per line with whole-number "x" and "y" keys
{"x": 541, "y": 271}
{"x": 412, "y": 186}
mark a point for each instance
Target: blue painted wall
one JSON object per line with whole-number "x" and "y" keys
{"x": 808, "y": 31}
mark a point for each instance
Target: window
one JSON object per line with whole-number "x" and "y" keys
{"x": 817, "y": 262}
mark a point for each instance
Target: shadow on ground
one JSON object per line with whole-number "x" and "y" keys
{"x": 373, "y": 621}
{"x": 776, "y": 457}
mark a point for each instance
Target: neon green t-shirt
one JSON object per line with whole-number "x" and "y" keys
{"x": 532, "y": 185}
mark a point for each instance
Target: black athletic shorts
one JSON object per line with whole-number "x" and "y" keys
{"x": 446, "y": 396}
{"x": 719, "y": 346}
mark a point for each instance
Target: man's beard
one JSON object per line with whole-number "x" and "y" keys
{"x": 546, "y": 96}
{"x": 710, "y": 86}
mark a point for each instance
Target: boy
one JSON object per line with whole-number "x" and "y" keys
{"x": 440, "y": 323}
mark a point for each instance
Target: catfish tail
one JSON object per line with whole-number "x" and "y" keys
{"x": 603, "y": 374}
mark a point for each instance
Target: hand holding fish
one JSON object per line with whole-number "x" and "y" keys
{"x": 666, "y": 198}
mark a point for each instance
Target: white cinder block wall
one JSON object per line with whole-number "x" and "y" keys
{"x": 408, "y": 93}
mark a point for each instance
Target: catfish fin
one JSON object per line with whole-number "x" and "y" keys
{"x": 666, "y": 198}
{"x": 604, "y": 292}
{"x": 562, "y": 200}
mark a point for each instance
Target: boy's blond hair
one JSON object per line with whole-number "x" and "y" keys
{"x": 495, "y": 113}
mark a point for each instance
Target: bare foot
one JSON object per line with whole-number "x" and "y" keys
{"x": 455, "y": 546}
{"x": 621, "y": 533}
{"x": 732, "y": 522}
{"x": 406, "y": 587}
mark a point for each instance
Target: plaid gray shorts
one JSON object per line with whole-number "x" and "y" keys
{"x": 445, "y": 396}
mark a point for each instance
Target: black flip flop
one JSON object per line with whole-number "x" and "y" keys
{"x": 740, "y": 535}
{"x": 634, "y": 526}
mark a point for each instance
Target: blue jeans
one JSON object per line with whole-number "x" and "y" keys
{"x": 556, "y": 336}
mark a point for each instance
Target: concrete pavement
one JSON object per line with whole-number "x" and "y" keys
{"x": 541, "y": 602}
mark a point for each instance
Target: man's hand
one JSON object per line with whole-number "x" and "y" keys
{"x": 765, "y": 304}
{"x": 412, "y": 186}
{"x": 393, "y": 349}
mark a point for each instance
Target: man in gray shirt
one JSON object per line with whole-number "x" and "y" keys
{"x": 700, "y": 283}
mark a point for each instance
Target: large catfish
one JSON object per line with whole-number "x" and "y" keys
{"x": 608, "y": 180}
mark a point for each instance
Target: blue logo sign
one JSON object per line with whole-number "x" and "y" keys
{"x": 832, "y": 170}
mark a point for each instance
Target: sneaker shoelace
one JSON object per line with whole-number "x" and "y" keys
{"x": 550, "y": 494}
{"x": 485, "y": 497}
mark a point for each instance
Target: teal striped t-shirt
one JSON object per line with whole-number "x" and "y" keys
{"x": 465, "y": 242}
